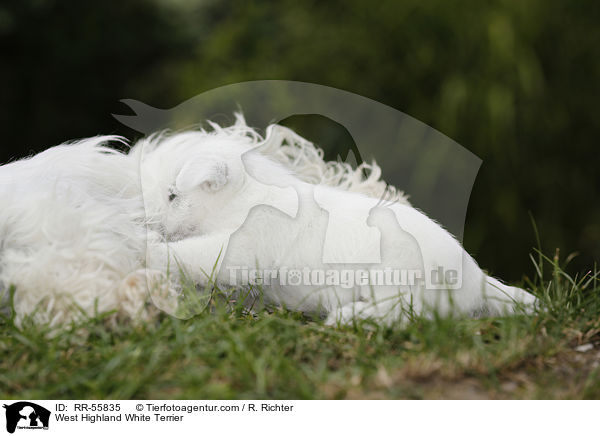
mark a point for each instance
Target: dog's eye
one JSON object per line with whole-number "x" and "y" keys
{"x": 172, "y": 196}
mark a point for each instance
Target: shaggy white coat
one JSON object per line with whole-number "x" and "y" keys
{"x": 86, "y": 229}
{"x": 226, "y": 205}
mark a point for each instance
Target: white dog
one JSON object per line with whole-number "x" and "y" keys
{"x": 228, "y": 206}
{"x": 82, "y": 227}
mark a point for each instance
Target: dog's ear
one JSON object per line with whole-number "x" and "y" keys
{"x": 209, "y": 176}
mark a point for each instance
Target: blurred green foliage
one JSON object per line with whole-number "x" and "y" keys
{"x": 514, "y": 82}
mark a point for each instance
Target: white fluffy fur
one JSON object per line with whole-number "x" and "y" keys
{"x": 72, "y": 231}
{"x": 78, "y": 219}
{"x": 217, "y": 212}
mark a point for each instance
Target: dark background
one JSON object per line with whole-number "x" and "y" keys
{"x": 516, "y": 83}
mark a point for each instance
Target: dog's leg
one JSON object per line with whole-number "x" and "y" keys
{"x": 197, "y": 259}
{"x": 384, "y": 305}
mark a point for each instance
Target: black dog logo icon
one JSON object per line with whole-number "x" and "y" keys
{"x": 26, "y": 415}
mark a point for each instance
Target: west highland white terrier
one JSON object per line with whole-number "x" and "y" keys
{"x": 87, "y": 229}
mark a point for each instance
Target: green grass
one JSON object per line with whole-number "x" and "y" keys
{"x": 227, "y": 354}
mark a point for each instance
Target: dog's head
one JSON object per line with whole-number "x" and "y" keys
{"x": 188, "y": 180}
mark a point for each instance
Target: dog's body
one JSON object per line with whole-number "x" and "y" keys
{"x": 84, "y": 224}
{"x": 240, "y": 209}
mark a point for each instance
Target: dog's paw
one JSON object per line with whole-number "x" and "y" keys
{"x": 145, "y": 292}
